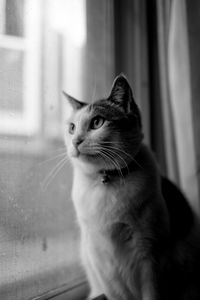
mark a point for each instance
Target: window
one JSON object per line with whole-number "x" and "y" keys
{"x": 39, "y": 237}
{"x": 20, "y": 73}
{"x": 39, "y": 57}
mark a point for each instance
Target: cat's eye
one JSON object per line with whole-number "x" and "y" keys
{"x": 97, "y": 122}
{"x": 71, "y": 128}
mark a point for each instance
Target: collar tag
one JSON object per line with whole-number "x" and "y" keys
{"x": 105, "y": 178}
{"x": 109, "y": 175}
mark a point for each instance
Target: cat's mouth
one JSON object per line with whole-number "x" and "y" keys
{"x": 74, "y": 152}
{"x": 87, "y": 155}
{"x": 82, "y": 154}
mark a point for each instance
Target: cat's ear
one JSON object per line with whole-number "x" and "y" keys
{"x": 121, "y": 94}
{"x": 75, "y": 104}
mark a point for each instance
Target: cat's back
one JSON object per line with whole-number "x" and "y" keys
{"x": 181, "y": 275}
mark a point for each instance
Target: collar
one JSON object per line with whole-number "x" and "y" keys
{"x": 109, "y": 175}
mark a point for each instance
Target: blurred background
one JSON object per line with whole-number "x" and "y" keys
{"x": 79, "y": 46}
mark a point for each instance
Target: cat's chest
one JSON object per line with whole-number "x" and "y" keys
{"x": 92, "y": 199}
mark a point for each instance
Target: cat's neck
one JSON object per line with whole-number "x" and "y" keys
{"x": 104, "y": 174}
{"x": 109, "y": 175}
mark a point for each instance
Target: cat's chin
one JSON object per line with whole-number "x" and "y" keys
{"x": 87, "y": 162}
{"x": 89, "y": 159}
{"x": 88, "y": 166}
{"x": 75, "y": 153}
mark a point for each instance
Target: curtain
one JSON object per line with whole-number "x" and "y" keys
{"x": 176, "y": 101}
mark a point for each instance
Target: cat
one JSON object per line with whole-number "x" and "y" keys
{"x": 139, "y": 237}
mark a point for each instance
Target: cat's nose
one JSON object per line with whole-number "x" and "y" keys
{"x": 77, "y": 141}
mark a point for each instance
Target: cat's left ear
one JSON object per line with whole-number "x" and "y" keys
{"x": 75, "y": 104}
{"x": 121, "y": 94}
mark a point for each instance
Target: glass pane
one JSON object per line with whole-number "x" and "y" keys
{"x": 14, "y": 17}
{"x": 11, "y": 80}
{"x": 37, "y": 227}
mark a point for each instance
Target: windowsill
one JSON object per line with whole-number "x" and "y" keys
{"x": 77, "y": 290}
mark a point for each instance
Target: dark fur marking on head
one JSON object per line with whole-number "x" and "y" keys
{"x": 115, "y": 115}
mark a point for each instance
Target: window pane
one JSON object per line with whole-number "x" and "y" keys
{"x": 11, "y": 80}
{"x": 38, "y": 227}
{"x": 14, "y": 17}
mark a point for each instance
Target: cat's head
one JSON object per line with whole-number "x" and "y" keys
{"x": 106, "y": 133}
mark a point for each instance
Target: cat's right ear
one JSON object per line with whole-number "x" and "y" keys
{"x": 75, "y": 104}
{"x": 121, "y": 94}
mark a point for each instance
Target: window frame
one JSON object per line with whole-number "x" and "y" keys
{"x": 27, "y": 122}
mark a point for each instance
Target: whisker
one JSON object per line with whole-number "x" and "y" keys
{"x": 52, "y": 158}
{"x": 115, "y": 163}
{"x": 122, "y": 151}
{"x": 116, "y": 148}
{"x": 108, "y": 142}
{"x": 52, "y": 176}
{"x": 58, "y": 150}
{"x": 114, "y": 153}
{"x": 53, "y": 173}
{"x": 106, "y": 155}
